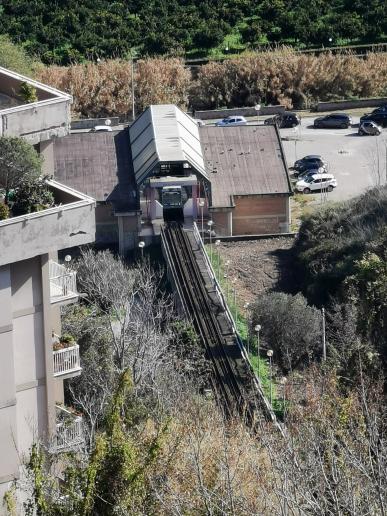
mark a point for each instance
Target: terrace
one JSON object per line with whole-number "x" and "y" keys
{"x": 38, "y": 117}
{"x": 69, "y": 222}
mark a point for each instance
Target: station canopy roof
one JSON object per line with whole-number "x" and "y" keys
{"x": 164, "y": 134}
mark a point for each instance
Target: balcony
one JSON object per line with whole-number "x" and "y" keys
{"x": 69, "y": 430}
{"x": 66, "y": 359}
{"x": 63, "y": 284}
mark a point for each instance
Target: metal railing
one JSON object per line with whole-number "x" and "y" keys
{"x": 245, "y": 355}
{"x": 69, "y": 430}
{"x": 66, "y": 361}
{"x": 63, "y": 282}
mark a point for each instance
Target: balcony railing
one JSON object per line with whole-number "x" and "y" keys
{"x": 69, "y": 430}
{"x": 63, "y": 284}
{"x": 67, "y": 362}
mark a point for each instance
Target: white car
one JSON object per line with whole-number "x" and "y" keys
{"x": 316, "y": 182}
{"x": 102, "y": 129}
{"x": 232, "y": 120}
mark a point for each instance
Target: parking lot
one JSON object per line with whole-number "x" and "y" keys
{"x": 357, "y": 162}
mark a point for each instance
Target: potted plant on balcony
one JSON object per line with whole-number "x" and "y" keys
{"x": 63, "y": 342}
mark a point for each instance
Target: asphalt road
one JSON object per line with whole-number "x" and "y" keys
{"x": 357, "y": 162}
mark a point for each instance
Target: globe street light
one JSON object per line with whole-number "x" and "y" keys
{"x": 269, "y": 353}
{"x": 141, "y": 245}
{"x": 257, "y": 329}
{"x": 201, "y": 204}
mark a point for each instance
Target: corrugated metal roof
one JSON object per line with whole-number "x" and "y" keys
{"x": 243, "y": 160}
{"x": 99, "y": 165}
{"x": 164, "y": 134}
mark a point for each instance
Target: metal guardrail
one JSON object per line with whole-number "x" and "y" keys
{"x": 66, "y": 361}
{"x": 69, "y": 431}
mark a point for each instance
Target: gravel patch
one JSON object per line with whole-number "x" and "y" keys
{"x": 257, "y": 266}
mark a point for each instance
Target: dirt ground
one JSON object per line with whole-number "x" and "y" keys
{"x": 257, "y": 266}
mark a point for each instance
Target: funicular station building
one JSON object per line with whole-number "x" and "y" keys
{"x": 165, "y": 166}
{"x": 235, "y": 176}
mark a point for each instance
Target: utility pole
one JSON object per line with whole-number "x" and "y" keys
{"x": 132, "y": 54}
{"x": 323, "y": 335}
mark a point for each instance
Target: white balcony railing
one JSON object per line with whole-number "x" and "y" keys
{"x": 67, "y": 362}
{"x": 63, "y": 284}
{"x": 69, "y": 430}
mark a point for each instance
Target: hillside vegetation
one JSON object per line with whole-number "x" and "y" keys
{"x": 273, "y": 77}
{"x": 68, "y": 31}
{"x": 341, "y": 255}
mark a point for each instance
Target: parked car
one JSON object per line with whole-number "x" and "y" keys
{"x": 316, "y": 182}
{"x": 370, "y": 128}
{"x": 378, "y": 118}
{"x": 101, "y": 129}
{"x": 311, "y": 172}
{"x": 311, "y": 161}
{"x": 380, "y": 109}
{"x": 335, "y": 120}
{"x": 284, "y": 120}
{"x": 232, "y": 120}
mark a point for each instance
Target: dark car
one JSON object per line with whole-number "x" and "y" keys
{"x": 335, "y": 120}
{"x": 284, "y": 120}
{"x": 380, "y": 109}
{"x": 378, "y": 118}
{"x": 311, "y": 162}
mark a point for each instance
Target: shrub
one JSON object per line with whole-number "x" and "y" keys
{"x": 4, "y": 211}
{"x": 104, "y": 89}
{"x": 290, "y": 327}
{"x": 19, "y": 162}
{"x": 28, "y": 93}
{"x": 284, "y": 76}
{"x": 31, "y": 196}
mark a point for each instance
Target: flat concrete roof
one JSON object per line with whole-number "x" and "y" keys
{"x": 243, "y": 160}
{"x": 99, "y": 165}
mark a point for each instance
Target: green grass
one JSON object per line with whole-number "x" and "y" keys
{"x": 260, "y": 365}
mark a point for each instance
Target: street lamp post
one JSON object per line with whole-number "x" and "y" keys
{"x": 284, "y": 382}
{"x": 217, "y": 244}
{"x": 269, "y": 353}
{"x": 246, "y": 306}
{"x": 201, "y": 204}
{"x": 235, "y": 302}
{"x": 210, "y": 223}
{"x": 227, "y": 263}
{"x": 257, "y": 329}
{"x": 141, "y": 245}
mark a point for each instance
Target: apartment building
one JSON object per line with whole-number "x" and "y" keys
{"x": 33, "y": 288}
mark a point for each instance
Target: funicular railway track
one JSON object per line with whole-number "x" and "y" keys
{"x": 229, "y": 384}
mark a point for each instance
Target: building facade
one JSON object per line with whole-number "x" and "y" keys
{"x": 33, "y": 287}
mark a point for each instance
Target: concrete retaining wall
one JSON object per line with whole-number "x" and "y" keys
{"x": 350, "y": 104}
{"x": 89, "y": 123}
{"x": 245, "y": 111}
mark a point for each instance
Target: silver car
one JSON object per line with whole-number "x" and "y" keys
{"x": 370, "y": 128}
